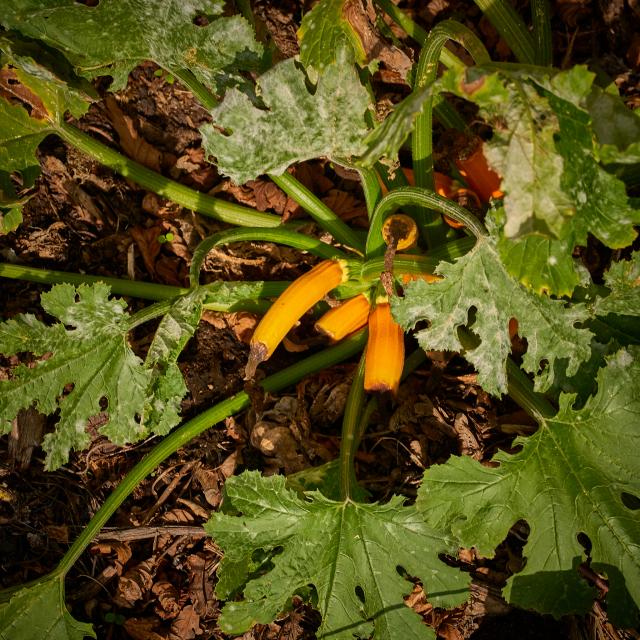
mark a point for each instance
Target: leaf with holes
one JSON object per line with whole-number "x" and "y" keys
{"x": 88, "y": 369}
{"x": 360, "y": 559}
{"x": 478, "y": 291}
{"x": 577, "y": 474}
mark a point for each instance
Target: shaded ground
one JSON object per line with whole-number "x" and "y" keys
{"x": 151, "y": 574}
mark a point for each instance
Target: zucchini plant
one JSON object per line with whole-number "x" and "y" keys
{"x": 556, "y": 169}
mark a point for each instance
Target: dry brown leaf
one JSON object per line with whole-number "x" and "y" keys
{"x": 187, "y": 625}
{"x": 168, "y": 596}
{"x": 201, "y": 586}
{"x": 10, "y": 87}
{"x": 119, "y": 552}
{"x": 146, "y": 239}
{"x": 27, "y": 431}
{"x": 131, "y": 142}
{"x": 135, "y": 584}
{"x": 142, "y": 629}
{"x": 178, "y": 516}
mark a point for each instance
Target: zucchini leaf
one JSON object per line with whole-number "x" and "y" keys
{"x": 477, "y": 291}
{"x": 577, "y": 474}
{"x": 297, "y": 122}
{"x": 623, "y": 281}
{"x": 324, "y": 31}
{"x": 165, "y": 31}
{"x": 39, "y": 611}
{"x": 91, "y": 370}
{"x": 545, "y": 147}
{"x": 358, "y": 557}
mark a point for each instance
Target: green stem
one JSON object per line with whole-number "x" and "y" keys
{"x": 404, "y": 196}
{"x": 409, "y": 263}
{"x": 351, "y": 425}
{"x": 431, "y": 224}
{"x": 203, "y": 95}
{"x": 371, "y": 188}
{"x": 319, "y": 211}
{"x": 541, "y": 20}
{"x": 206, "y": 205}
{"x": 195, "y": 427}
{"x": 151, "y": 312}
{"x": 119, "y": 286}
{"x": 283, "y": 235}
{"x": 510, "y": 26}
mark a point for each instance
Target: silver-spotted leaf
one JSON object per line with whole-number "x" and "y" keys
{"x": 114, "y": 36}
{"x": 297, "y": 123}
{"x": 89, "y": 369}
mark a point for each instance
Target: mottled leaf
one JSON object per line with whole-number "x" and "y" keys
{"x": 297, "y": 122}
{"x": 114, "y": 37}
{"x": 623, "y": 281}
{"x": 89, "y": 369}
{"x": 325, "y": 31}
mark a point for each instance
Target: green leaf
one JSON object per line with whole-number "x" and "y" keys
{"x": 20, "y": 136}
{"x": 522, "y": 149}
{"x": 350, "y": 552}
{"x": 93, "y": 356}
{"x": 296, "y": 124}
{"x": 167, "y": 388}
{"x": 53, "y": 86}
{"x": 577, "y": 474}
{"x": 39, "y": 611}
{"x": 323, "y": 32}
{"x": 623, "y": 281}
{"x": 544, "y": 264}
{"x": 34, "y": 97}
{"x": 543, "y": 147}
{"x": 114, "y": 37}
{"x": 616, "y": 127}
{"x": 479, "y": 281}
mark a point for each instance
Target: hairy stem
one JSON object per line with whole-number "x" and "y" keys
{"x": 432, "y": 227}
{"x": 351, "y": 432}
{"x": 404, "y": 196}
{"x": 206, "y": 205}
{"x": 510, "y": 26}
{"x": 319, "y": 211}
{"x": 119, "y": 286}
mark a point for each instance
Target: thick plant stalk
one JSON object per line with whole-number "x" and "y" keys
{"x": 432, "y": 226}
{"x": 120, "y": 286}
{"x": 319, "y": 211}
{"x": 206, "y": 205}
{"x": 404, "y": 196}
{"x": 511, "y": 27}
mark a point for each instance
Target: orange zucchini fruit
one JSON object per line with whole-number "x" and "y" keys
{"x": 340, "y": 321}
{"x": 296, "y": 300}
{"x": 384, "y": 357}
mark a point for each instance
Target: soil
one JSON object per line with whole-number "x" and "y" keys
{"x": 151, "y": 573}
